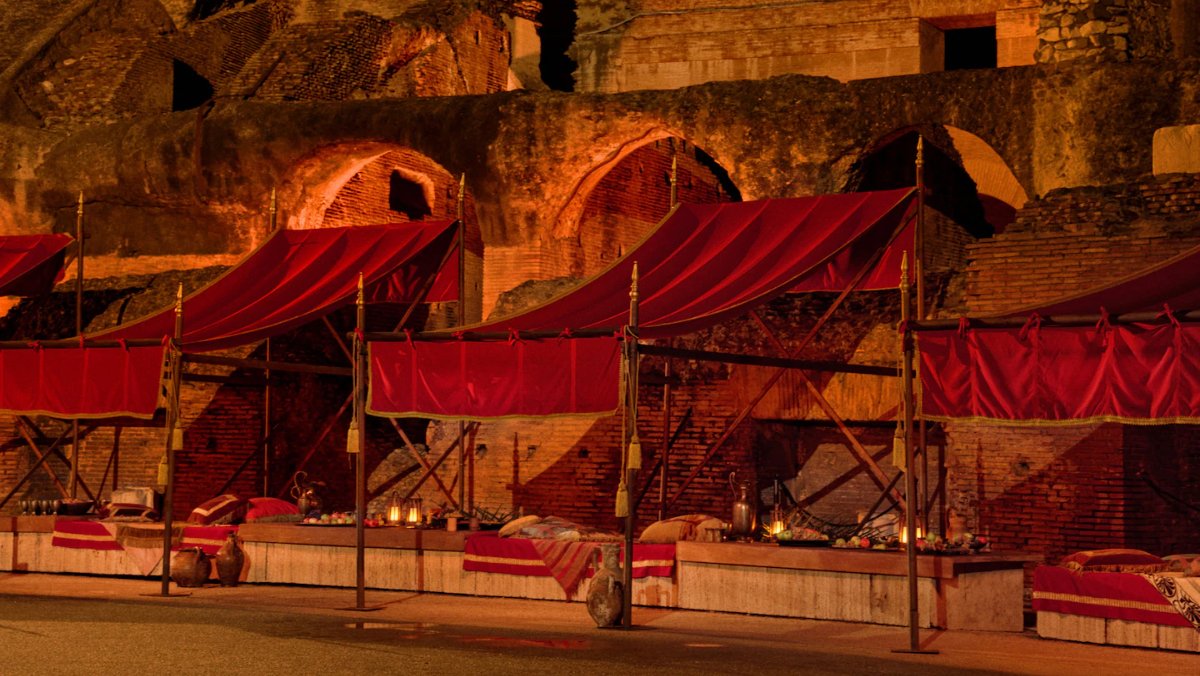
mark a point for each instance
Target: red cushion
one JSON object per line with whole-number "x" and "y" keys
{"x": 120, "y": 511}
{"x": 222, "y": 509}
{"x": 271, "y": 509}
{"x": 1110, "y": 560}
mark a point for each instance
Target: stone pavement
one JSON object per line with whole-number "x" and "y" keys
{"x": 79, "y": 624}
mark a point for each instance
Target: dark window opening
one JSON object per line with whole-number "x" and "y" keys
{"x": 189, "y": 89}
{"x": 407, "y": 197}
{"x": 971, "y": 48}
{"x": 557, "y": 32}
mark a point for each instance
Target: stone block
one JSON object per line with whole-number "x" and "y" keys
{"x": 1176, "y": 150}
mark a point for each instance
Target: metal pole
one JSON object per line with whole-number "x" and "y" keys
{"x": 360, "y": 465}
{"x": 172, "y": 422}
{"x": 74, "y": 482}
{"x": 674, "y": 175}
{"x": 631, "y": 449}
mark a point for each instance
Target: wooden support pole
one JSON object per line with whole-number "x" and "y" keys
{"x": 75, "y": 456}
{"x": 266, "y": 428}
{"x": 359, "y": 451}
{"x": 42, "y": 458}
{"x": 910, "y": 482}
{"x": 919, "y": 269}
{"x": 632, "y": 450}
{"x": 664, "y": 454}
{"x": 173, "y": 396}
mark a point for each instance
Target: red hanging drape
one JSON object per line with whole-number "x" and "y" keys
{"x": 702, "y": 265}
{"x": 496, "y": 379}
{"x": 31, "y": 264}
{"x": 297, "y": 276}
{"x": 1124, "y": 373}
{"x": 91, "y": 382}
{"x": 1050, "y": 374}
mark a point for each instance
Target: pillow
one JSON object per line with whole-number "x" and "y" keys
{"x": 1114, "y": 561}
{"x": 222, "y": 509}
{"x": 120, "y": 511}
{"x": 271, "y": 509}
{"x": 513, "y": 527}
{"x": 680, "y": 528}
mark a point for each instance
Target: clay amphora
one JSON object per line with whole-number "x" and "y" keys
{"x": 606, "y": 594}
{"x": 230, "y": 559}
{"x": 190, "y": 567}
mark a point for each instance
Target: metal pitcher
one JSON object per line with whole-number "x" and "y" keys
{"x": 744, "y": 513}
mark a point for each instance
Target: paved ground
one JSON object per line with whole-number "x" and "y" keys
{"x": 63, "y": 624}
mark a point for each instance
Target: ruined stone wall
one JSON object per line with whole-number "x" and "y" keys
{"x": 665, "y": 44}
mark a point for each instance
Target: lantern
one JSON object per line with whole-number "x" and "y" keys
{"x": 412, "y": 513}
{"x": 395, "y": 510}
{"x": 904, "y": 534}
{"x": 777, "y": 523}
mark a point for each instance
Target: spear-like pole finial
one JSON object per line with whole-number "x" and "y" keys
{"x": 920, "y": 150}
{"x": 274, "y": 210}
{"x": 462, "y": 195}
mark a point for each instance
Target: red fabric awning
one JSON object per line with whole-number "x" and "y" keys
{"x": 706, "y": 263}
{"x": 1123, "y": 373}
{"x": 31, "y": 264}
{"x": 702, "y": 265}
{"x": 489, "y": 380}
{"x": 1071, "y": 374}
{"x": 91, "y": 382}
{"x": 299, "y": 275}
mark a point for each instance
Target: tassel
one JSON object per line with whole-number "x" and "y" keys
{"x": 162, "y": 470}
{"x": 898, "y": 456}
{"x": 177, "y": 439}
{"x": 352, "y": 440}
{"x": 622, "y": 501}
{"x": 635, "y": 453}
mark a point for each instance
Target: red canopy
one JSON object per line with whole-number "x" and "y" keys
{"x": 706, "y": 263}
{"x": 31, "y": 264}
{"x": 299, "y": 275}
{"x": 91, "y": 382}
{"x": 702, "y": 265}
{"x": 1134, "y": 373}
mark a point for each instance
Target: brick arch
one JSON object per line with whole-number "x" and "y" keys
{"x": 619, "y": 199}
{"x": 350, "y": 184}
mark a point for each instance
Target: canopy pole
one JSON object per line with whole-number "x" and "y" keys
{"x": 173, "y": 394}
{"x": 357, "y": 445}
{"x": 632, "y": 450}
{"x": 74, "y": 482}
{"x": 910, "y": 479}
{"x": 273, "y": 224}
{"x": 460, "y": 212}
{"x": 919, "y": 271}
{"x": 665, "y": 453}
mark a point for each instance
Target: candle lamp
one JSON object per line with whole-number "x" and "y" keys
{"x": 904, "y": 534}
{"x": 777, "y": 523}
{"x": 412, "y": 513}
{"x": 395, "y": 510}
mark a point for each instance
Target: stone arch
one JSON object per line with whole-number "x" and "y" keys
{"x": 351, "y": 184}
{"x": 980, "y": 190}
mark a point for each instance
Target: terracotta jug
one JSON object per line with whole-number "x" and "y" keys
{"x": 606, "y": 594}
{"x": 230, "y": 559}
{"x": 190, "y": 567}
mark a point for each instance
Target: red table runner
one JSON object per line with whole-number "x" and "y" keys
{"x": 566, "y": 562}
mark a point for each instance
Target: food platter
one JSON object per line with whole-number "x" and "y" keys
{"x": 324, "y": 525}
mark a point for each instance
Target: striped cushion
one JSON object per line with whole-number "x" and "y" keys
{"x": 222, "y": 509}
